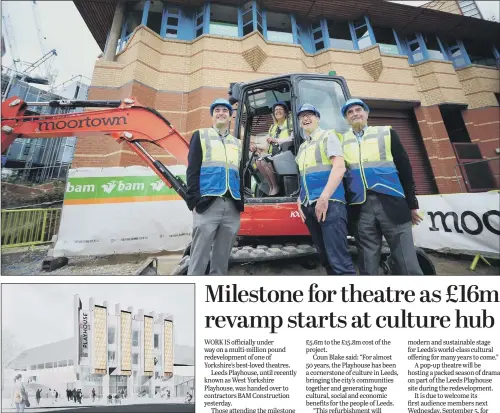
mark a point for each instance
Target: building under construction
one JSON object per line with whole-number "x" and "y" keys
{"x": 39, "y": 160}
{"x": 431, "y": 72}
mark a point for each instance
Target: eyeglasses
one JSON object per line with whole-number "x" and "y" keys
{"x": 306, "y": 115}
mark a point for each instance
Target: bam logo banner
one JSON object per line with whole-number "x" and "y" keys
{"x": 460, "y": 222}
{"x": 122, "y": 210}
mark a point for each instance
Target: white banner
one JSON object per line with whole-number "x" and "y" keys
{"x": 460, "y": 222}
{"x": 128, "y": 210}
{"x": 121, "y": 210}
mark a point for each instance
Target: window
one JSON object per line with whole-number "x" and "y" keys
{"x": 200, "y": 20}
{"x": 26, "y": 149}
{"x": 469, "y": 8}
{"x": 49, "y": 365}
{"x": 433, "y": 48}
{"x": 362, "y": 32}
{"x": 170, "y": 22}
{"x": 317, "y": 35}
{"x": 133, "y": 17}
{"x": 40, "y": 366}
{"x": 62, "y": 363}
{"x": 33, "y": 367}
{"x": 340, "y": 35}
{"x": 111, "y": 335}
{"x": 279, "y": 27}
{"x": 328, "y": 97}
{"x": 135, "y": 358}
{"x": 223, "y": 20}
{"x": 156, "y": 339}
{"x": 135, "y": 338}
{"x": 252, "y": 18}
{"x": 153, "y": 14}
{"x": 480, "y": 53}
{"x": 70, "y": 362}
{"x": 455, "y": 52}
{"x": 416, "y": 48}
{"x": 386, "y": 39}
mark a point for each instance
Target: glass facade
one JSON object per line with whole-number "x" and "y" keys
{"x": 38, "y": 160}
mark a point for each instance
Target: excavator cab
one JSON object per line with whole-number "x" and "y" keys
{"x": 255, "y": 101}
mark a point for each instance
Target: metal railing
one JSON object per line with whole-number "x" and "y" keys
{"x": 183, "y": 388}
{"x": 24, "y": 227}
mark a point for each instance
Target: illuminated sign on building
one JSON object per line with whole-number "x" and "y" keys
{"x": 148, "y": 346}
{"x": 126, "y": 342}
{"x": 99, "y": 350}
{"x": 84, "y": 341}
{"x": 168, "y": 356}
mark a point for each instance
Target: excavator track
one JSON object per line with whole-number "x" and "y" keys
{"x": 274, "y": 252}
{"x": 259, "y": 253}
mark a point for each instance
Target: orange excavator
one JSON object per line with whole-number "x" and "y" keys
{"x": 271, "y": 227}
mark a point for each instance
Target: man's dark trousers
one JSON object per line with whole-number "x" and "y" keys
{"x": 330, "y": 237}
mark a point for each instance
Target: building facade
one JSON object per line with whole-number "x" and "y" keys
{"x": 40, "y": 160}
{"x": 114, "y": 350}
{"x": 431, "y": 74}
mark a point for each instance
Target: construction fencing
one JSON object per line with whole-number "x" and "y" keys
{"x": 25, "y": 227}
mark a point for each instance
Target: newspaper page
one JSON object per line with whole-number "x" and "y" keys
{"x": 348, "y": 345}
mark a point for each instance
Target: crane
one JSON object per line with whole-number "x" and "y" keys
{"x": 9, "y": 34}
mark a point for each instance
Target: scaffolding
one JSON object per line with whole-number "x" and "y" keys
{"x": 36, "y": 161}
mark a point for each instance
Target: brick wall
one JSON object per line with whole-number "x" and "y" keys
{"x": 181, "y": 79}
{"x": 439, "y": 149}
{"x": 483, "y": 126}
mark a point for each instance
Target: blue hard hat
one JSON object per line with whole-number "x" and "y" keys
{"x": 351, "y": 102}
{"x": 221, "y": 102}
{"x": 307, "y": 107}
{"x": 281, "y": 103}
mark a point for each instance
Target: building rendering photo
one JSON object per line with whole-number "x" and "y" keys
{"x": 114, "y": 349}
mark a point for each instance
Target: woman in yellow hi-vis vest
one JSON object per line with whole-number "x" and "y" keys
{"x": 281, "y": 131}
{"x": 380, "y": 192}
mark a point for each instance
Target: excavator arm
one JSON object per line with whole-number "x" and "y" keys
{"x": 125, "y": 121}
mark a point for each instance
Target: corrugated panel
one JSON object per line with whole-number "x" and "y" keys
{"x": 404, "y": 123}
{"x": 98, "y": 16}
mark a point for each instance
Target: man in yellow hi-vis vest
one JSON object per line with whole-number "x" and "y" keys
{"x": 380, "y": 192}
{"x": 213, "y": 193}
{"x": 321, "y": 202}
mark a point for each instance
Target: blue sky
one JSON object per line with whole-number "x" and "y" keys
{"x": 62, "y": 28}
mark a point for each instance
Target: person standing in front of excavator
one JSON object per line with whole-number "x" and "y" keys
{"x": 213, "y": 193}
{"x": 321, "y": 203}
{"x": 380, "y": 190}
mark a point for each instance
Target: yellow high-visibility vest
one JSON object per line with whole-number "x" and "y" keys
{"x": 220, "y": 164}
{"x": 370, "y": 164}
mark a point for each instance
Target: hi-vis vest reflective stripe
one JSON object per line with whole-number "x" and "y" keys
{"x": 220, "y": 164}
{"x": 370, "y": 164}
{"x": 315, "y": 167}
{"x": 284, "y": 133}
